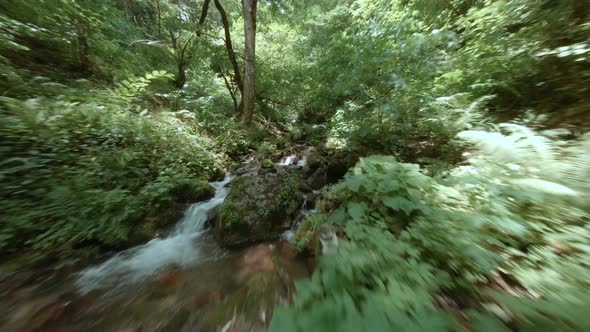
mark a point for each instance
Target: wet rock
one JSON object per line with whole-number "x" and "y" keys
{"x": 315, "y": 160}
{"x": 250, "y": 308}
{"x": 206, "y": 298}
{"x": 167, "y": 212}
{"x": 177, "y": 321}
{"x": 217, "y": 174}
{"x": 193, "y": 191}
{"x": 254, "y": 260}
{"x": 143, "y": 232}
{"x": 286, "y": 250}
{"x": 259, "y": 208}
{"x": 325, "y": 166}
{"x": 168, "y": 279}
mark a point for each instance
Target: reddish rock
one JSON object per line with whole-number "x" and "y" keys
{"x": 286, "y": 250}
{"x": 213, "y": 297}
{"x": 254, "y": 260}
{"x": 167, "y": 279}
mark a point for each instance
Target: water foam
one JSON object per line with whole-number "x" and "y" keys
{"x": 187, "y": 244}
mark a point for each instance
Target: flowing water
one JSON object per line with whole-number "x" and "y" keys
{"x": 287, "y": 161}
{"x": 185, "y": 246}
{"x": 181, "y": 282}
{"x": 292, "y": 160}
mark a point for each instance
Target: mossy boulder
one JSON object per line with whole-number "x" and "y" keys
{"x": 315, "y": 160}
{"x": 167, "y": 210}
{"x": 325, "y": 166}
{"x": 259, "y": 208}
{"x": 193, "y": 191}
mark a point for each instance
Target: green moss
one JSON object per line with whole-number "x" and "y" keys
{"x": 192, "y": 190}
{"x": 228, "y": 215}
{"x": 258, "y": 208}
{"x": 263, "y": 213}
{"x": 291, "y": 196}
{"x": 314, "y": 160}
{"x": 306, "y": 236}
{"x": 267, "y": 163}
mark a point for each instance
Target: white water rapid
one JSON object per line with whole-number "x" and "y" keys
{"x": 287, "y": 161}
{"x": 187, "y": 244}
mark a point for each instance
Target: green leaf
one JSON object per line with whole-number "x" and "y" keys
{"x": 399, "y": 203}
{"x": 354, "y": 182}
{"x": 356, "y": 210}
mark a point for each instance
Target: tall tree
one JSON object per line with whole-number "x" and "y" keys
{"x": 230, "y": 52}
{"x": 249, "y": 89}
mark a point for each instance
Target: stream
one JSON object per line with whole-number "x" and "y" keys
{"x": 183, "y": 281}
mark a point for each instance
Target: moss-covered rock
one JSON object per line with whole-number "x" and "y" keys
{"x": 315, "y": 160}
{"x": 306, "y": 239}
{"x": 192, "y": 191}
{"x": 326, "y": 166}
{"x": 167, "y": 211}
{"x": 259, "y": 208}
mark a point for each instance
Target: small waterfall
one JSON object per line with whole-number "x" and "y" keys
{"x": 302, "y": 161}
{"x": 287, "y": 161}
{"x": 186, "y": 245}
{"x": 289, "y": 234}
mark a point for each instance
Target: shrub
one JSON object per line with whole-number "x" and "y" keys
{"x": 86, "y": 173}
{"x": 416, "y": 249}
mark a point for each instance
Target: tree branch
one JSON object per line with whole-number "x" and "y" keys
{"x": 229, "y": 47}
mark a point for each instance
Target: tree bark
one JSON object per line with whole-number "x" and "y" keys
{"x": 181, "y": 75}
{"x": 159, "y": 18}
{"x": 230, "y": 49}
{"x": 232, "y": 92}
{"x": 127, "y": 8}
{"x": 83, "y": 51}
{"x": 204, "y": 12}
{"x": 249, "y": 89}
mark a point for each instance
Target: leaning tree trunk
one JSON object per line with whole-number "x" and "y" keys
{"x": 230, "y": 49}
{"x": 249, "y": 93}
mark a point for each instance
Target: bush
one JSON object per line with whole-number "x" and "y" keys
{"x": 416, "y": 249}
{"x": 86, "y": 173}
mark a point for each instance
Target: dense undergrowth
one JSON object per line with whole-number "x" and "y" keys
{"x": 87, "y": 173}
{"x": 471, "y": 212}
{"x": 437, "y": 253}
{"x": 492, "y": 234}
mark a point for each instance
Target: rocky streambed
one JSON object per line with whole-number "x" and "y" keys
{"x": 225, "y": 266}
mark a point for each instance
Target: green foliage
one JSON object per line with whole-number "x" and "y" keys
{"x": 291, "y": 195}
{"x": 379, "y": 69}
{"x": 81, "y": 173}
{"x": 266, "y": 150}
{"x": 114, "y": 113}
{"x": 412, "y": 241}
{"x": 131, "y": 88}
{"x": 229, "y": 216}
{"x": 304, "y": 239}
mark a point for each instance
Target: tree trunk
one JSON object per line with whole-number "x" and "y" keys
{"x": 232, "y": 92}
{"x": 249, "y": 90}
{"x": 127, "y": 8}
{"x": 204, "y": 11}
{"x": 159, "y": 19}
{"x": 230, "y": 50}
{"x": 83, "y": 51}
{"x": 181, "y": 75}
